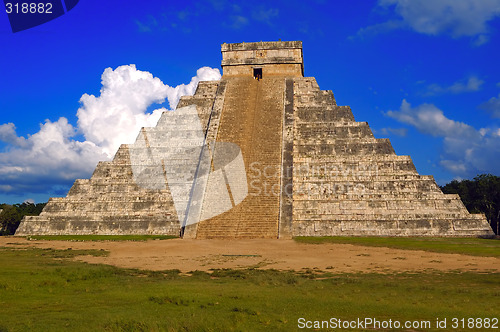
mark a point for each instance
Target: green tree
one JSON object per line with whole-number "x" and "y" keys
{"x": 9, "y": 219}
{"x": 11, "y": 215}
{"x": 480, "y": 195}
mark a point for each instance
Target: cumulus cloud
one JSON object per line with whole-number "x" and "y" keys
{"x": 436, "y": 17}
{"x": 125, "y": 95}
{"x": 466, "y": 150}
{"x": 492, "y": 106}
{"x": 50, "y": 155}
{"x": 109, "y": 118}
{"x": 8, "y": 135}
{"x": 53, "y": 157}
{"x": 428, "y": 119}
{"x": 202, "y": 74}
{"x": 471, "y": 85}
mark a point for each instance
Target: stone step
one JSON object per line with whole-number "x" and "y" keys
{"x": 329, "y": 132}
{"x": 342, "y": 115}
{"x": 345, "y": 147}
{"x": 251, "y": 118}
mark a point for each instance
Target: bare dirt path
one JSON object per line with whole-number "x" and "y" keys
{"x": 190, "y": 255}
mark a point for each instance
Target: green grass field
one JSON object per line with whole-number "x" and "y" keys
{"x": 42, "y": 290}
{"x": 465, "y": 246}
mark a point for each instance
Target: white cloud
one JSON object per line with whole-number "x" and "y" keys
{"x": 456, "y": 18}
{"x": 148, "y": 25}
{"x": 480, "y": 40}
{"x": 379, "y": 28}
{"x": 5, "y": 188}
{"x": 466, "y": 151}
{"x": 54, "y": 157}
{"x": 472, "y": 84}
{"x": 202, "y": 74}
{"x": 428, "y": 119}
{"x": 8, "y": 135}
{"x": 126, "y": 92}
{"x": 393, "y": 131}
{"x": 49, "y": 155}
{"x": 265, "y": 15}
{"x": 492, "y": 106}
{"x": 454, "y": 167}
{"x": 238, "y": 21}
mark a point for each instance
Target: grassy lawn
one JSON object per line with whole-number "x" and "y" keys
{"x": 41, "y": 290}
{"x": 465, "y": 246}
{"x": 101, "y": 237}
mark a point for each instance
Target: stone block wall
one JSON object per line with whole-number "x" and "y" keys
{"x": 274, "y": 58}
{"x": 111, "y": 201}
{"x": 346, "y": 182}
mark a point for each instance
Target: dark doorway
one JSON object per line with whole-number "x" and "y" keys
{"x": 257, "y": 73}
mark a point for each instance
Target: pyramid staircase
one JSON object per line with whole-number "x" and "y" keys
{"x": 251, "y": 119}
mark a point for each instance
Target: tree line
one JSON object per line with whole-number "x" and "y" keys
{"x": 11, "y": 215}
{"x": 480, "y": 195}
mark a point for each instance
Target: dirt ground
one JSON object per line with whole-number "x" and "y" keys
{"x": 190, "y": 255}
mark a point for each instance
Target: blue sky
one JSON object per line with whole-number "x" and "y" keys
{"x": 425, "y": 74}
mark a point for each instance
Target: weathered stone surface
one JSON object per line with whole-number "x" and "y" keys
{"x": 312, "y": 170}
{"x": 251, "y": 118}
{"x": 274, "y": 58}
{"x": 111, "y": 201}
{"x": 346, "y": 182}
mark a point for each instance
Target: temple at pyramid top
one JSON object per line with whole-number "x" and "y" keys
{"x": 263, "y": 58}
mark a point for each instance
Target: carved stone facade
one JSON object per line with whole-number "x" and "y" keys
{"x": 311, "y": 169}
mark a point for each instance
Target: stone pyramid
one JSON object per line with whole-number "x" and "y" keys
{"x": 261, "y": 153}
